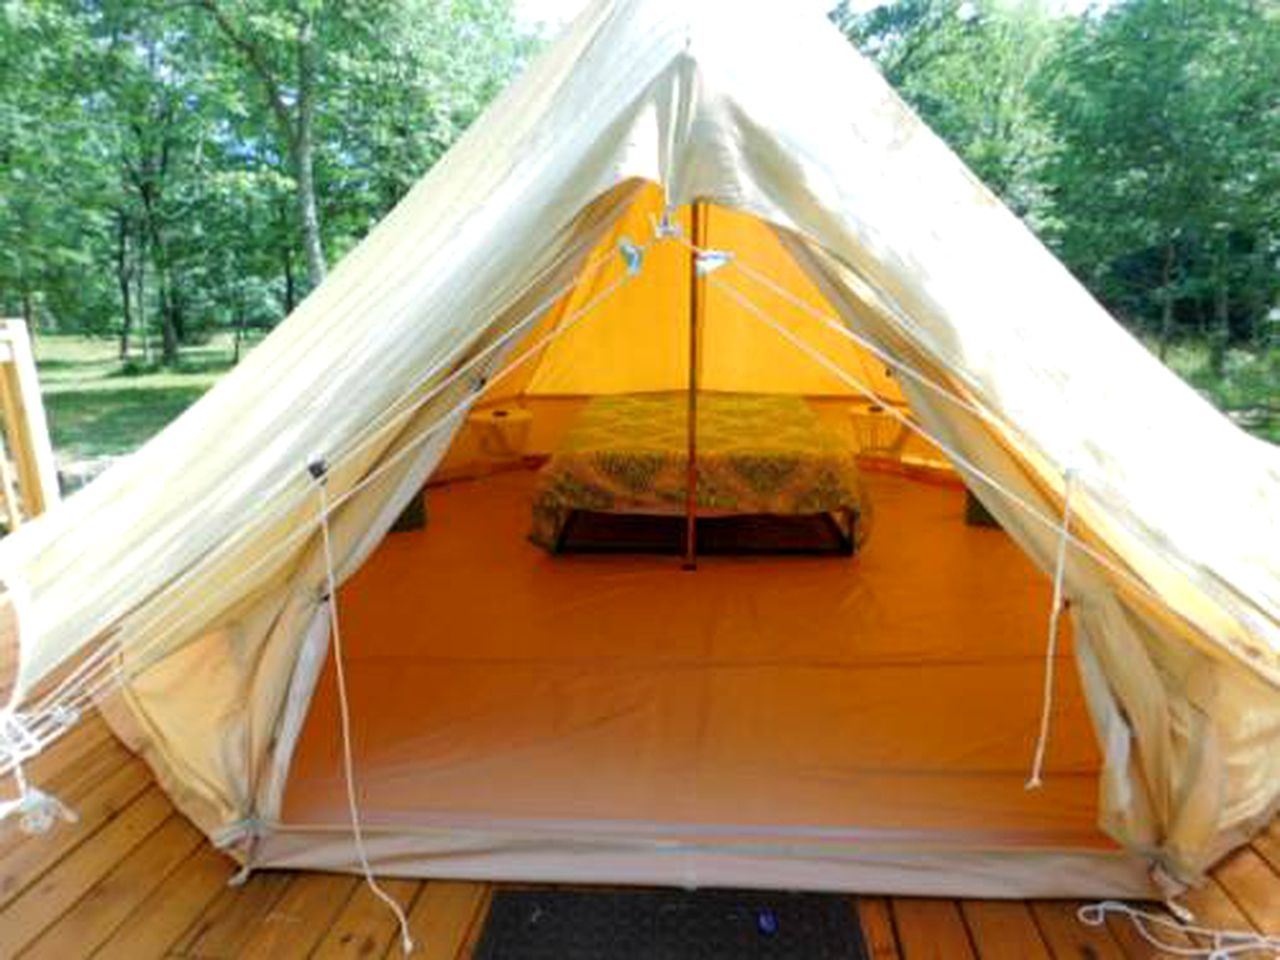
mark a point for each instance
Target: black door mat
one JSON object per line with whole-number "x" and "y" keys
{"x": 670, "y": 925}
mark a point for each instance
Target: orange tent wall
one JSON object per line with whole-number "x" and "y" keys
{"x": 635, "y": 339}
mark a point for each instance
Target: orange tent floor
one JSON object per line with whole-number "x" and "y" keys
{"x": 893, "y": 695}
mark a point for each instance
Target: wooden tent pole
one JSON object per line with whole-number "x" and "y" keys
{"x": 698, "y": 215}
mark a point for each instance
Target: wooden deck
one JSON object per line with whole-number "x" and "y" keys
{"x": 134, "y": 879}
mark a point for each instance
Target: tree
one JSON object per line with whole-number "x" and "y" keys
{"x": 969, "y": 67}
{"x": 1169, "y": 116}
{"x": 281, "y": 49}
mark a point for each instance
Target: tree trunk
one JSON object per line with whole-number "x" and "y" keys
{"x": 168, "y": 331}
{"x": 1166, "y": 295}
{"x": 286, "y": 250}
{"x": 123, "y": 278}
{"x": 303, "y": 145}
{"x": 1221, "y": 334}
{"x": 296, "y": 129}
{"x": 29, "y": 311}
{"x": 142, "y": 302}
{"x": 240, "y": 322}
{"x": 290, "y": 282}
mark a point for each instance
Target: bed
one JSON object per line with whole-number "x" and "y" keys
{"x": 758, "y": 456}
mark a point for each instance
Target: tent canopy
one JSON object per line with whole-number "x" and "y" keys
{"x": 191, "y": 577}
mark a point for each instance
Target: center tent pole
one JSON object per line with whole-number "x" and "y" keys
{"x": 697, "y": 294}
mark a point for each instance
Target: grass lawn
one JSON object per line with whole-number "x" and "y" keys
{"x": 99, "y": 408}
{"x": 1248, "y": 388}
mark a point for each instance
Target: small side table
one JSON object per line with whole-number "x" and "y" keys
{"x": 502, "y": 433}
{"x": 878, "y": 432}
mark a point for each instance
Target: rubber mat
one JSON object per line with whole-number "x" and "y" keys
{"x": 670, "y": 925}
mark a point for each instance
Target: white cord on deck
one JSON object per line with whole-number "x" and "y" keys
{"x": 36, "y": 810}
{"x": 1036, "y": 780}
{"x": 319, "y": 472}
{"x": 1222, "y": 944}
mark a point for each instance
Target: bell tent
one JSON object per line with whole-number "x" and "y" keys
{"x": 700, "y": 265}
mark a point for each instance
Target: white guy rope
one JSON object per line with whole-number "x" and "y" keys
{"x": 843, "y": 330}
{"x": 36, "y": 810}
{"x": 941, "y": 390}
{"x": 978, "y": 473}
{"x": 372, "y": 431}
{"x": 86, "y": 684}
{"x": 1036, "y": 779}
{"x": 319, "y": 472}
{"x": 105, "y": 678}
{"x": 1223, "y": 944}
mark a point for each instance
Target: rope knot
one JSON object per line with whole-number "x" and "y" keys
{"x": 37, "y": 811}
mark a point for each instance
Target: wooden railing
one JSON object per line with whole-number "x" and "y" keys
{"x": 28, "y": 474}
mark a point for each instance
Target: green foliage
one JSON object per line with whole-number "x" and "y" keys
{"x": 1168, "y": 113}
{"x": 179, "y": 173}
{"x": 1141, "y": 141}
{"x": 969, "y": 68}
{"x": 151, "y": 152}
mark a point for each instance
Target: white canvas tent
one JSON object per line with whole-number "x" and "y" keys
{"x": 187, "y": 590}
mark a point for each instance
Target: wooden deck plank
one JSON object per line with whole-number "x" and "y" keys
{"x": 472, "y": 941}
{"x": 1254, "y": 887}
{"x": 27, "y": 860}
{"x": 441, "y": 919}
{"x": 1003, "y": 929}
{"x": 136, "y": 880}
{"x": 1135, "y": 946}
{"x": 1267, "y": 845}
{"x": 297, "y": 921}
{"x": 1213, "y": 908}
{"x": 229, "y": 920}
{"x": 70, "y": 782}
{"x": 1068, "y": 938}
{"x": 157, "y": 923}
{"x": 877, "y": 928}
{"x": 42, "y": 903}
{"x": 365, "y": 927}
{"x": 108, "y": 903}
{"x": 930, "y": 929}
{"x": 57, "y": 770}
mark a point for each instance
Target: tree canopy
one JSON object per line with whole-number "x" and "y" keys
{"x": 168, "y": 169}
{"x": 193, "y": 166}
{"x": 1141, "y": 141}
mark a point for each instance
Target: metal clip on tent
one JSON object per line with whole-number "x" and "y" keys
{"x": 709, "y": 261}
{"x": 632, "y": 256}
{"x": 668, "y": 227}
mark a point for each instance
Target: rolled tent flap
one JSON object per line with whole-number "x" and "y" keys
{"x": 194, "y": 564}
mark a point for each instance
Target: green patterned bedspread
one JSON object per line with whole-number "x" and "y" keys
{"x": 757, "y": 454}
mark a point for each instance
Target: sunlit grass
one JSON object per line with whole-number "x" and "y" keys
{"x": 1248, "y": 387}
{"x": 100, "y": 406}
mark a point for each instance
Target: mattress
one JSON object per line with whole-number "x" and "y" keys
{"x": 757, "y": 454}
